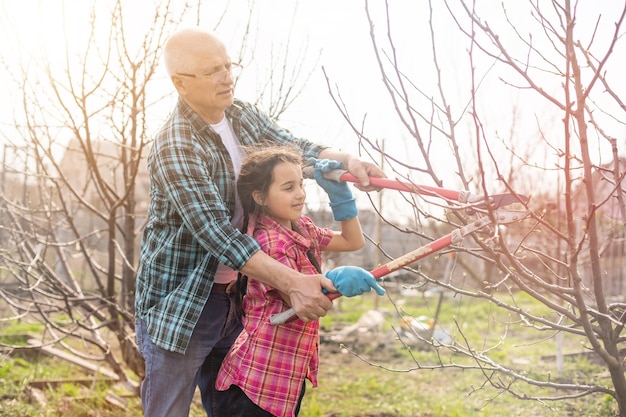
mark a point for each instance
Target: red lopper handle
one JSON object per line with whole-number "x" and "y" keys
{"x": 406, "y": 187}
{"x": 290, "y": 315}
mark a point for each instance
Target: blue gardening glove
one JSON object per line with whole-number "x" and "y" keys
{"x": 352, "y": 280}
{"x": 342, "y": 202}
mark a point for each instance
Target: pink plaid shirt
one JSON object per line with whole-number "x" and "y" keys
{"x": 269, "y": 363}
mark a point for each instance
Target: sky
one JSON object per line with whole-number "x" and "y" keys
{"x": 33, "y": 30}
{"x": 334, "y": 35}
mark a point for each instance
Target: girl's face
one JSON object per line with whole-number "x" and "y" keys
{"x": 285, "y": 197}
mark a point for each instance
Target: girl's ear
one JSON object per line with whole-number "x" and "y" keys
{"x": 258, "y": 197}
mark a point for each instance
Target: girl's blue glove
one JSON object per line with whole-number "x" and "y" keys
{"x": 352, "y": 280}
{"x": 342, "y": 202}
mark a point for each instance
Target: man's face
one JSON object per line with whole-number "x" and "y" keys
{"x": 208, "y": 87}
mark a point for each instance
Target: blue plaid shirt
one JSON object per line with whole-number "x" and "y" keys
{"x": 192, "y": 197}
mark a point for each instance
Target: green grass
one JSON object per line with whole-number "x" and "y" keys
{"x": 390, "y": 379}
{"x": 356, "y": 385}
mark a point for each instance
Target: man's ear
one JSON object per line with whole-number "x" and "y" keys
{"x": 179, "y": 84}
{"x": 258, "y": 197}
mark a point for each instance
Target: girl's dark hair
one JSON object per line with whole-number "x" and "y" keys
{"x": 257, "y": 174}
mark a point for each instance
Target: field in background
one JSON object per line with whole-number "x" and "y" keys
{"x": 371, "y": 376}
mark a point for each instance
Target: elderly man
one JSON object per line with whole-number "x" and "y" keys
{"x": 192, "y": 247}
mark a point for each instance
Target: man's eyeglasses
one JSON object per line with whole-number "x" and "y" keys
{"x": 234, "y": 70}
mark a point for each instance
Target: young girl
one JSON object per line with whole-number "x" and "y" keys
{"x": 265, "y": 370}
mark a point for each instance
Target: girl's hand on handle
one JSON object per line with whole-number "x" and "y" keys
{"x": 360, "y": 169}
{"x": 342, "y": 202}
{"x": 352, "y": 280}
